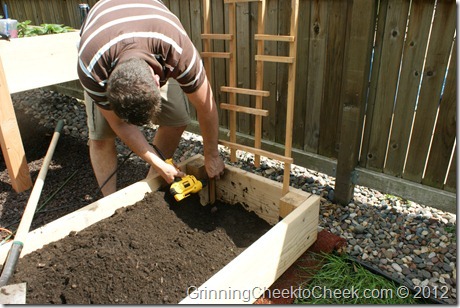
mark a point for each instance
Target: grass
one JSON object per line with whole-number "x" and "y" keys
{"x": 451, "y": 229}
{"x": 340, "y": 281}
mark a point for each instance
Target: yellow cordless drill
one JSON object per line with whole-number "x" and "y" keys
{"x": 182, "y": 187}
{"x": 185, "y": 186}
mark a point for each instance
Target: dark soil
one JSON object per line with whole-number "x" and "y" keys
{"x": 151, "y": 252}
{"x": 70, "y": 182}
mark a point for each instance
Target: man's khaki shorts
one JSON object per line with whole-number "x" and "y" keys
{"x": 174, "y": 112}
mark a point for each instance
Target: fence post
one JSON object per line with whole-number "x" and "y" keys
{"x": 361, "y": 25}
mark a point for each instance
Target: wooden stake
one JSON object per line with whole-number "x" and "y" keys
{"x": 10, "y": 140}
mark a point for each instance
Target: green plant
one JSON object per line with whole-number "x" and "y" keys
{"x": 451, "y": 228}
{"x": 341, "y": 282}
{"x": 26, "y": 30}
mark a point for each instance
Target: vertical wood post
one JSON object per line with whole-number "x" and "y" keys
{"x": 361, "y": 24}
{"x": 232, "y": 78}
{"x": 10, "y": 140}
{"x": 291, "y": 94}
{"x": 261, "y": 8}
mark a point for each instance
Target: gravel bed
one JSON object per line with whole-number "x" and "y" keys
{"x": 410, "y": 242}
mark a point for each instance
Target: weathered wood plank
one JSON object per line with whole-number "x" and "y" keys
{"x": 442, "y": 34}
{"x": 243, "y": 73}
{"x": 357, "y": 65}
{"x": 220, "y": 66}
{"x": 436, "y": 198}
{"x": 166, "y": 2}
{"x": 195, "y": 34}
{"x": 411, "y": 71}
{"x": 329, "y": 122}
{"x": 393, "y": 41}
{"x": 451, "y": 182}
{"x": 373, "y": 84}
{"x": 174, "y": 6}
{"x": 269, "y": 123}
{"x": 445, "y": 131}
{"x": 301, "y": 96}
{"x": 316, "y": 73}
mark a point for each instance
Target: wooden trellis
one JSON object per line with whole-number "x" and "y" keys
{"x": 259, "y": 93}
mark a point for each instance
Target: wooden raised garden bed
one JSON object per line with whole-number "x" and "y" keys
{"x": 254, "y": 269}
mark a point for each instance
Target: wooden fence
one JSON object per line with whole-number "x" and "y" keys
{"x": 375, "y": 86}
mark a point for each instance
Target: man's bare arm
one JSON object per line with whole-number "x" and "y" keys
{"x": 208, "y": 118}
{"x": 135, "y": 140}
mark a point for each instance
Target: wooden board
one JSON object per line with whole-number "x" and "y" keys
{"x": 249, "y": 189}
{"x": 316, "y": 69}
{"x": 408, "y": 87}
{"x": 392, "y": 45}
{"x": 451, "y": 181}
{"x": 437, "y": 58}
{"x": 357, "y": 66}
{"x": 39, "y": 61}
{"x": 329, "y": 122}
{"x": 445, "y": 131}
{"x": 243, "y": 62}
{"x": 245, "y": 279}
{"x": 10, "y": 140}
{"x": 269, "y": 124}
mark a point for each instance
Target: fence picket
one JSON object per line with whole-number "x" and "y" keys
{"x": 408, "y": 87}
{"x": 392, "y": 45}
{"x": 445, "y": 131}
{"x": 442, "y": 34}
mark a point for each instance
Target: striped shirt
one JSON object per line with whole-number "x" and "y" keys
{"x": 120, "y": 29}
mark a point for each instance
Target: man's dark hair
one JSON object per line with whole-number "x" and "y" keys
{"x": 132, "y": 92}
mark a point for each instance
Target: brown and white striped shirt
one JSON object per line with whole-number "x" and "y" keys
{"x": 119, "y": 29}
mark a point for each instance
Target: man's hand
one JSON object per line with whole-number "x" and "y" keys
{"x": 170, "y": 172}
{"x": 208, "y": 119}
{"x": 214, "y": 166}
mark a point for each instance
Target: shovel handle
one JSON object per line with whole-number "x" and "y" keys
{"x": 10, "y": 263}
{"x": 31, "y": 206}
{"x": 29, "y": 211}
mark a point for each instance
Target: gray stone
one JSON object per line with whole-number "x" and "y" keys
{"x": 425, "y": 274}
{"x": 396, "y": 267}
{"x": 447, "y": 267}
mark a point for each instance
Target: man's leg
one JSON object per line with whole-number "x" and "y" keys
{"x": 167, "y": 139}
{"x": 103, "y": 156}
{"x": 102, "y": 150}
{"x": 172, "y": 121}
